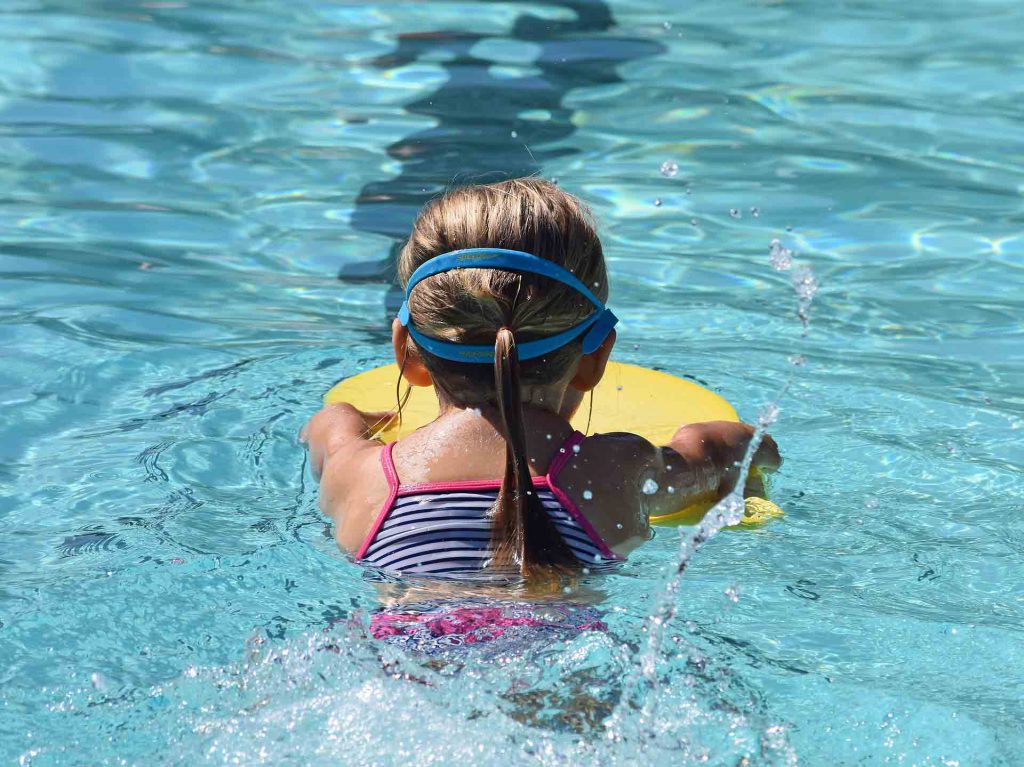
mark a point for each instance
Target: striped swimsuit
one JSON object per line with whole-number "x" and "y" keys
{"x": 443, "y": 528}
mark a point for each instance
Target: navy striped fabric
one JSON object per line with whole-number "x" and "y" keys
{"x": 449, "y": 533}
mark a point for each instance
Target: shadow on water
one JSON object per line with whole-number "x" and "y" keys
{"x": 489, "y": 126}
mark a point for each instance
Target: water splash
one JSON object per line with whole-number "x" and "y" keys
{"x": 669, "y": 169}
{"x": 806, "y": 286}
{"x": 635, "y": 717}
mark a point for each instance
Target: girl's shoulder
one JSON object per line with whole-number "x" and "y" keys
{"x": 625, "y": 448}
{"x": 605, "y": 477}
{"x": 607, "y": 457}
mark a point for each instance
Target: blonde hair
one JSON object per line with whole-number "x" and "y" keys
{"x": 492, "y": 306}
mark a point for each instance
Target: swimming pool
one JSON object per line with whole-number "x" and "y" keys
{"x": 185, "y": 182}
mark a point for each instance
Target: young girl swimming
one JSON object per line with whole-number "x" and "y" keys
{"x": 504, "y": 315}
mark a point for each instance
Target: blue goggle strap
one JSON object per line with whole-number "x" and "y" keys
{"x": 597, "y": 326}
{"x": 499, "y": 258}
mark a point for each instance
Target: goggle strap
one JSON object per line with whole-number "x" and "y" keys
{"x": 597, "y": 326}
{"x": 601, "y": 322}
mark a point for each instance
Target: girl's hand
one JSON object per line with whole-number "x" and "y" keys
{"x": 718, "y": 448}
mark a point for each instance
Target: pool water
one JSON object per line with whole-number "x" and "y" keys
{"x": 200, "y": 206}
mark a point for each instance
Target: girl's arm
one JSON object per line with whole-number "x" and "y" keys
{"x": 338, "y": 429}
{"x": 702, "y": 463}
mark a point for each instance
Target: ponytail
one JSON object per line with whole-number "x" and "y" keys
{"x": 524, "y": 535}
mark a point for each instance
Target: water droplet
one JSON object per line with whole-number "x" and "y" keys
{"x": 650, "y": 487}
{"x": 587, "y": 495}
{"x": 669, "y": 169}
{"x": 871, "y": 501}
{"x": 667, "y": 25}
{"x": 755, "y": 212}
{"x": 618, "y": 525}
{"x": 576, "y": 449}
{"x": 693, "y": 222}
{"x": 804, "y": 283}
{"x": 732, "y": 593}
{"x": 561, "y": 450}
{"x": 515, "y": 134}
{"x": 670, "y": 489}
{"x": 657, "y": 202}
{"x": 768, "y": 415}
{"x": 735, "y": 213}
{"x": 549, "y": 436}
{"x": 99, "y": 682}
{"x": 781, "y": 257}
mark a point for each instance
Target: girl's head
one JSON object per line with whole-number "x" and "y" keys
{"x": 502, "y": 309}
{"x": 469, "y": 306}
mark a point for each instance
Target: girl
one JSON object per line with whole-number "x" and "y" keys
{"x": 505, "y": 317}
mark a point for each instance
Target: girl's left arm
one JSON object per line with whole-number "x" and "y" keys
{"x": 702, "y": 463}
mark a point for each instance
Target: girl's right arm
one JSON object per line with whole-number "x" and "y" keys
{"x": 337, "y": 431}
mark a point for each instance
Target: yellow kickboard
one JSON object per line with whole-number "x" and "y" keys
{"x": 629, "y": 398}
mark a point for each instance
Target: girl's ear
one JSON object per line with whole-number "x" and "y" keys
{"x": 591, "y": 368}
{"x": 409, "y": 362}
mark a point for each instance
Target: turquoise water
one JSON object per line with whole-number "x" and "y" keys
{"x": 183, "y": 183}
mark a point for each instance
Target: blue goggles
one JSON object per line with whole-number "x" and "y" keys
{"x": 596, "y": 327}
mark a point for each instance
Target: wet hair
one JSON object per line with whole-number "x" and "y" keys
{"x": 492, "y": 306}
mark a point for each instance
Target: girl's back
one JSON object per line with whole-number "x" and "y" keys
{"x": 422, "y": 506}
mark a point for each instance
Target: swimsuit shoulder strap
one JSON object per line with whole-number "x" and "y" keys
{"x": 387, "y": 464}
{"x": 559, "y": 462}
{"x": 563, "y": 455}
